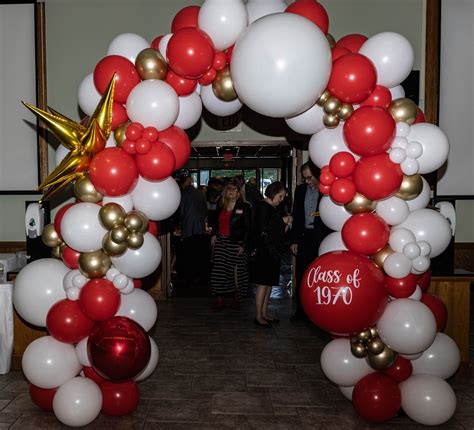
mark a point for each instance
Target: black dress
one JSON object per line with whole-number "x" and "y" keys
{"x": 270, "y": 244}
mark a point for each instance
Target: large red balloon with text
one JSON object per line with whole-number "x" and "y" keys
{"x": 113, "y": 172}
{"x": 190, "y": 52}
{"x": 353, "y": 78}
{"x": 119, "y": 398}
{"x": 178, "y": 141}
{"x": 343, "y": 292}
{"x": 366, "y": 233}
{"x": 311, "y": 10}
{"x": 377, "y": 177}
{"x": 369, "y": 131}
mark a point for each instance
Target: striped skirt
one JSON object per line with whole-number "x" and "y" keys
{"x": 229, "y": 272}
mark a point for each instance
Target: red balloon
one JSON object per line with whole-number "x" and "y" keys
{"x": 343, "y": 292}
{"x": 376, "y": 398}
{"x": 43, "y": 397}
{"x": 126, "y": 76}
{"x": 142, "y": 146}
{"x": 182, "y": 86}
{"x": 438, "y": 307}
{"x": 67, "y": 323}
{"x": 228, "y": 53}
{"x": 155, "y": 44}
{"x": 90, "y": 373}
{"x": 326, "y": 177}
{"x": 99, "y": 299}
{"x": 150, "y": 133}
{"x": 70, "y": 257}
{"x": 420, "y": 116}
{"x": 137, "y": 283}
{"x": 190, "y": 52}
{"x": 366, "y": 233}
{"x": 119, "y": 398}
{"x": 134, "y": 131}
{"x": 369, "y": 131}
{"x": 342, "y": 191}
{"x": 381, "y": 97}
{"x": 324, "y": 189}
{"x": 401, "y": 370}
{"x": 153, "y": 228}
{"x": 186, "y": 17}
{"x": 118, "y": 348}
{"x": 377, "y": 177}
{"x": 157, "y": 164}
{"x": 220, "y": 60}
{"x": 178, "y": 141}
{"x": 113, "y": 172}
{"x": 311, "y": 10}
{"x": 424, "y": 280}
{"x": 352, "y": 42}
{"x": 342, "y": 164}
{"x": 208, "y": 77}
{"x": 401, "y": 287}
{"x": 353, "y": 78}
{"x": 59, "y": 216}
{"x": 338, "y": 51}
{"x": 119, "y": 115}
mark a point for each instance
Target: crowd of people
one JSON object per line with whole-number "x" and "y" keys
{"x": 231, "y": 235}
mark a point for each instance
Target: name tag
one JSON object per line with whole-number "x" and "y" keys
{"x": 239, "y": 211}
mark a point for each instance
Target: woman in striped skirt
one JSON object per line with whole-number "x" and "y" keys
{"x": 230, "y": 241}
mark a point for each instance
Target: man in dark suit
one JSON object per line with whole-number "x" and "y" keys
{"x": 308, "y": 230}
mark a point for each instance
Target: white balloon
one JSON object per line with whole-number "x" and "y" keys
{"x": 411, "y": 356}
{"x": 441, "y": 359}
{"x": 38, "y": 286}
{"x": 397, "y": 155}
{"x": 153, "y": 103}
{"x": 48, "y": 363}
{"x": 120, "y": 281}
{"x": 411, "y": 250}
{"x": 140, "y": 307}
{"x": 73, "y": 293}
{"x": 340, "y": 366}
{"x": 129, "y": 288}
{"x": 81, "y": 228}
{"x": 112, "y": 273}
{"x": 190, "y": 109}
{"x": 332, "y": 242}
{"x": 410, "y": 166}
{"x": 402, "y": 128}
{"x": 399, "y": 238}
{"x": 422, "y": 200}
{"x": 414, "y": 149}
{"x": 163, "y": 45}
{"x": 407, "y": 326}
{"x": 430, "y": 226}
{"x": 67, "y": 280}
{"x": 157, "y": 200}
{"x": 125, "y": 201}
{"x": 435, "y": 146}
{"x": 223, "y": 21}
{"x": 78, "y": 402}
{"x": 333, "y": 215}
{"x": 81, "y": 352}
{"x": 281, "y": 65}
{"x": 111, "y": 141}
{"x": 127, "y": 45}
{"x": 417, "y": 294}
{"x": 141, "y": 262}
{"x": 152, "y": 363}
{"x": 308, "y": 122}
{"x": 397, "y": 265}
{"x": 428, "y": 399}
{"x": 87, "y": 95}
{"x": 425, "y": 247}
{"x": 324, "y": 144}
{"x": 392, "y": 210}
{"x": 79, "y": 280}
{"x": 217, "y": 106}
{"x": 420, "y": 265}
{"x": 258, "y": 8}
{"x": 347, "y": 392}
{"x": 392, "y": 55}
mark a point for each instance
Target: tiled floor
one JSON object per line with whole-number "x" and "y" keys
{"x": 220, "y": 371}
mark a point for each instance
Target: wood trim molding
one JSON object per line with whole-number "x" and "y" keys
{"x": 12, "y": 246}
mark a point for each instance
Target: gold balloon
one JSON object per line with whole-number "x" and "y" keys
{"x": 359, "y": 350}
{"x": 222, "y": 85}
{"x": 57, "y": 251}
{"x": 411, "y": 187}
{"x": 50, "y": 236}
{"x": 133, "y": 222}
{"x": 113, "y": 248}
{"x": 332, "y": 105}
{"x": 135, "y": 240}
{"x": 111, "y": 215}
{"x": 150, "y": 64}
{"x": 363, "y": 336}
{"x": 373, "y": 331}
{"x": 380, "y": 256}
{"x": 144, "y": 227}
{"x": 119, "y": 234}
{"x": 345, "y": 111}
{"x": 403, "y": 110}
{"x": 360, "y": 204}
{"x": 375, "y": 345}
{"x": 94, "y": 264}
{"x": 119, "y": 133}
{"x": 85, "y": 191}
{"x": 330, "y": 121}
{"x": 324, "y": 98}
{"x": 331, "y": 40}
{"x": 383, "y": 360}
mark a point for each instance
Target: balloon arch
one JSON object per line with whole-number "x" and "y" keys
{"x": 367, "y": 288}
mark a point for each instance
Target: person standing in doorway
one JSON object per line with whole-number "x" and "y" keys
{"x": 308, "y": 230}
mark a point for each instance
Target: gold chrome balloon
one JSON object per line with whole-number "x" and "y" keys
{"x": 375, "y": 345}
{"x": 383, "y": 360}
{"x": 360, "y": 204}
{"x": 133, "y": 222}
{"x": 403, "y": 110}
{"x": 324, "y": 98}
{"x": 135, "y": 240}
{"x": 85, "y": 191}
{"x": 94, "y": 264}
{"x": 380, "y": 256}
{"x": 144, "y": 227}
{"x": 150, "y": 64}
{"x": 57, "y": 251}
{"x": 332, "y": 105}
{"x": 119, "y": 234}
{"x": 222, "y": 85}
{"x": 119, "y": 134}
{"x": 373, "y": 331}
{"x": 363, "y": 336}
{"x": 113, "y": 248}
{"x": 410, "y": 188}
{"x": 331, "y": 40}
{"x": 111, "y": 215}
{"x": 359, "y": 350}
{"x": 50, "y": 236}
{"x": 330, "y": 121}
{"x": 345, "y": 111}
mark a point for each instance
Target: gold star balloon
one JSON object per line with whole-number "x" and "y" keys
{"x": 82, "y": 141}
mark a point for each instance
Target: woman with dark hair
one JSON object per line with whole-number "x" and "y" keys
{"x": 270, "y": 227}
{"x": 230, "y": 242}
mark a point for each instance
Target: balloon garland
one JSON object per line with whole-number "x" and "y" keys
{"x": 368, "y": 287}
